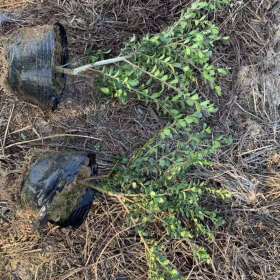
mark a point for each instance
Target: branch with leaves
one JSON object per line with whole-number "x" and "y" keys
{"x": 164, "y": 71}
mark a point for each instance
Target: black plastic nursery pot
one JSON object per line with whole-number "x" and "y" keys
{"x": 32, "y": 55}
{"x": 52, "y": 187}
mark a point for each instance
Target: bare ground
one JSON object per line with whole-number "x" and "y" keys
{"x": 105, "y": 247}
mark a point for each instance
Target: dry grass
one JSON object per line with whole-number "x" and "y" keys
{"x": 106, "y": 247}
{"x": 100, "y": 250}
{"x": 106, "y": 24}
{"x": 14, "y": 4}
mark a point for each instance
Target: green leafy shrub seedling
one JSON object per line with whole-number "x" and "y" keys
{"x": 164, "y": 71}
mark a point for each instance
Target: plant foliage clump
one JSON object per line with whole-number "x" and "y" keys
{"x": 164, "y": 71}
